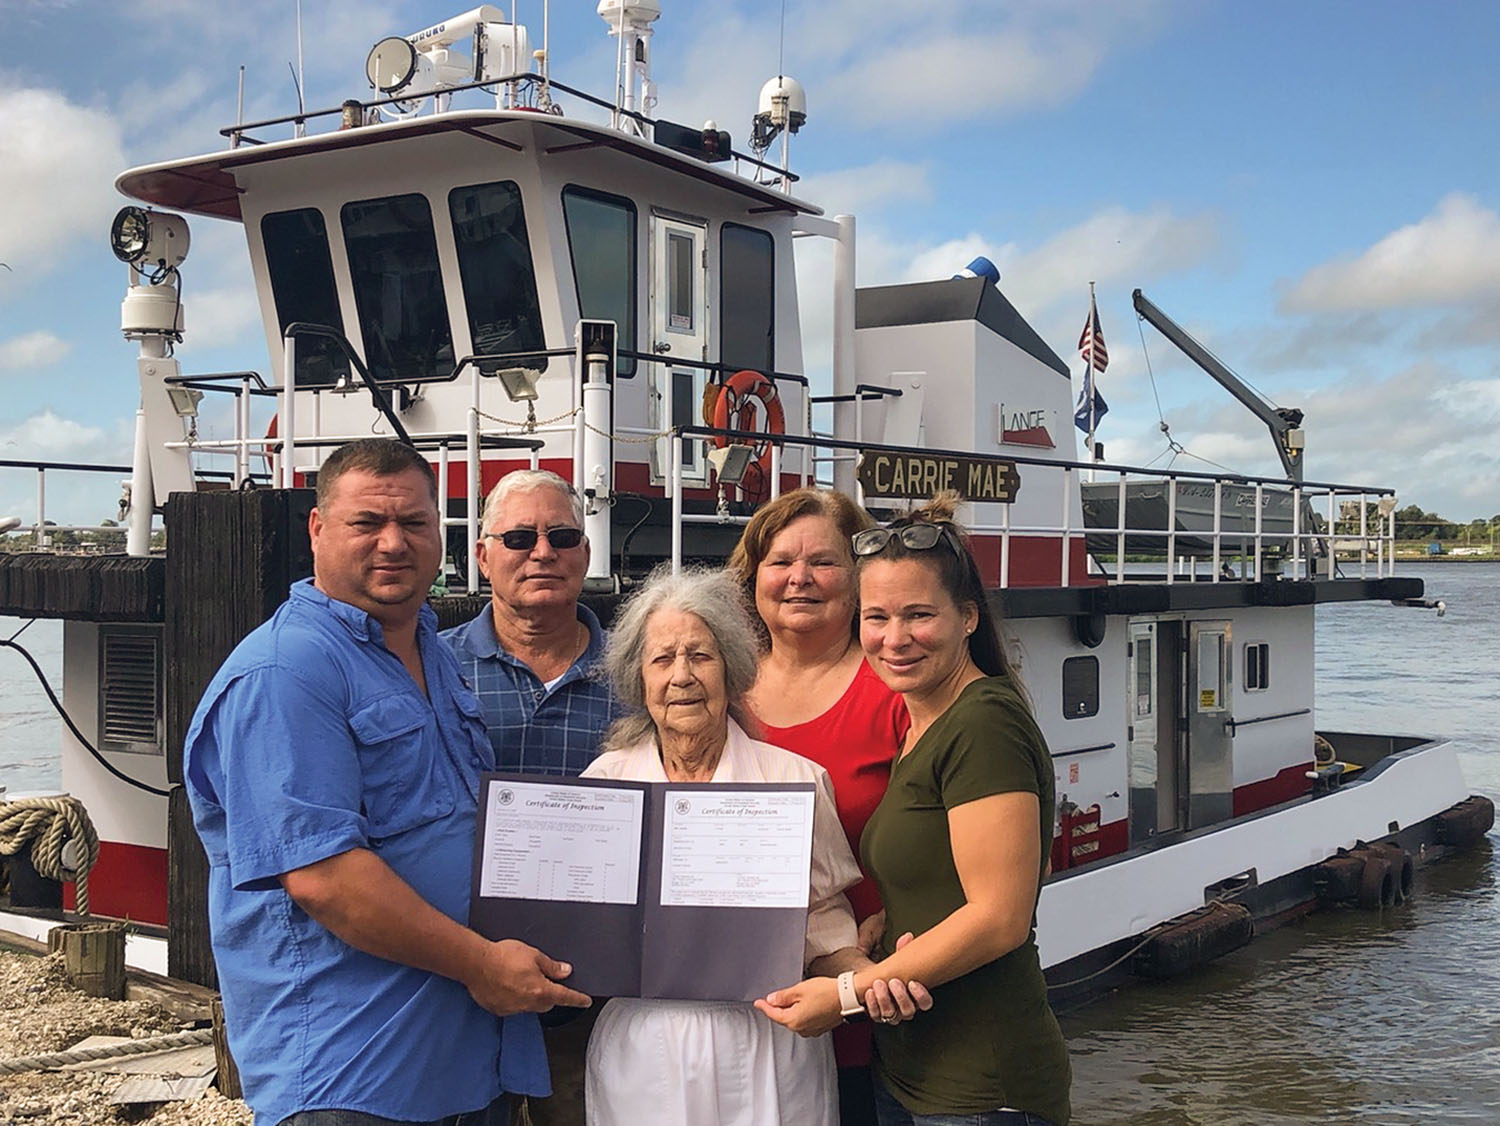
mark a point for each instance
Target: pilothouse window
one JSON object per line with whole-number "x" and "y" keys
{"x": 602, "y": 244}
{"x": 747, "y": 298}
{"x": 301, "y": 273}
{"x": 494, "y": 262}
{"x": 398, "y": 288}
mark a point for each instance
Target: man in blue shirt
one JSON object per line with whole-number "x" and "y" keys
{"x": 333, "y": 769}
{"x": 534, "y": 657}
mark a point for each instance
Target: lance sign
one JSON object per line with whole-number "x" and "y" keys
{"x": 922, "y": 475}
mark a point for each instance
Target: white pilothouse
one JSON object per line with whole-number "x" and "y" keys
{"x": 550, "y": 279}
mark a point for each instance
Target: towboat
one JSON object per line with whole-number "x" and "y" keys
{"x": 508, "y": 273}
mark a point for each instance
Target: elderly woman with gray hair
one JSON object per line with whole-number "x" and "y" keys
{"x": 682, "y": 655}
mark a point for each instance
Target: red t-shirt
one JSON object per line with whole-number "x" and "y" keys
{"x": 855, "y": 741}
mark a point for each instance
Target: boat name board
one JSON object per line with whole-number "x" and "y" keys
{"x": 919, "y": 475}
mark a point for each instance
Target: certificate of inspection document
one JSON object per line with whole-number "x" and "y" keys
{"x": 649, "y": 889}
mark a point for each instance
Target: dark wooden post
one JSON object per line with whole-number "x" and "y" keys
{"x": 93, "y": 957}
{"x": 228, "y": 1081}
{"x": 230, "y": 558}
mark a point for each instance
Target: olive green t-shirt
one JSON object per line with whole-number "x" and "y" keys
{"x": 990, "y": 1040}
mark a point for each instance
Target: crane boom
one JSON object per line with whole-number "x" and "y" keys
{"x": 1285, "y": 423}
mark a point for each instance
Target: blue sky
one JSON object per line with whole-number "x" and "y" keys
{"x": 1312, "y": 189}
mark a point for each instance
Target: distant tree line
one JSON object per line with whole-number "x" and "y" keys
{"x": 1415, "y": 523}
{"x": 1412, "y": 523}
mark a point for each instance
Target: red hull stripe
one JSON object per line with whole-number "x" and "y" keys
{"x": 129, "y": 882}
{"x": 1290, "y": 782}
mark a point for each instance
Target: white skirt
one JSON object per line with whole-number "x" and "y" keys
{"x": 705, "y": 1063}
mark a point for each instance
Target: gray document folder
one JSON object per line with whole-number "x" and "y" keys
{"x": 690, "y": 891}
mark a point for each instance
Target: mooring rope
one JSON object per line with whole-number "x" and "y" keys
{"x": 47, "y": 824}
{"x": 87, "y": 1055}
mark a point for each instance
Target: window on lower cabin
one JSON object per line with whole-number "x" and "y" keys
{"x": 495, "y": 267}
{"x": 1257, "y": 666}
{"x": 602, "y": 246}
{"x": 398, "y": 288}
{"x": 747, "y": 298}
{"x": 302, "y": 285}
{"x": 1080, "y": 687}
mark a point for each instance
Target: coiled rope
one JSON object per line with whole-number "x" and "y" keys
{"x": 47, "y": 824}
{"x": 112, "y": 1051}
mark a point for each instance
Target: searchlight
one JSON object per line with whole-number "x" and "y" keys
{"x": 149, "y": 240}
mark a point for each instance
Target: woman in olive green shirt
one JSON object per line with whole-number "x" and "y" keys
{"x": 958, "y": 846}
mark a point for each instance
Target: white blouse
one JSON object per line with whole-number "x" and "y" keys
{"x": 706, "y": 1063}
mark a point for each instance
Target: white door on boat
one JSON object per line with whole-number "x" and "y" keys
{"x": 1141, "y": 707}
{"x": 1210, "y": 706}
{"x": 679, "y": 332}
{"x": 1158, "y": 802}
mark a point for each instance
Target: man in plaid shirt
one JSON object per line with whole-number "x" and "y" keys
{"x": 534, "y": 658}
{"x": 533, "y": 654}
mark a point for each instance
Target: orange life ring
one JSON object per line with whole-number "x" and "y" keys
{"x": 736, "y": 401}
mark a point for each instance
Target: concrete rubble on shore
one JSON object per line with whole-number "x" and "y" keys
{"x": 40, "y": 1013}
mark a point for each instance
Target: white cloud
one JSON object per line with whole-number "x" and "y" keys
{"x": 953, "y": 78}
{"x": 218, "y": 317}
{"x": 1048, "y": 283}
{"x": 1421, "y": 429}
{"x": 859, "y": 191}
{"x": 1476, "y": 400}
{"x": 1449, "y": 257}
{"x": 893, "y": 65}
{"x": 1114, "y": 246}
{"x": 71, "y": 497}
{"x": 57, "y": 163}
{"x": 32, "y": 350}
{"x": 49, "y": 437}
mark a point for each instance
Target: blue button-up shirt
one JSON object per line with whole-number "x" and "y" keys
{"x": 533, "y": 728}
{"x": 312, "y": 740}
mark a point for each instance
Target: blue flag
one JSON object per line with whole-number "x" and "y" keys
{"x": 1101, "y": 408}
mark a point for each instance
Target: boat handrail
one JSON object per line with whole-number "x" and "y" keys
{"x": 1248, "y": 544}
{"x": 43, "y": 530}
{"x": 240, "y": 133}
{"x": 296, "y": 329}
{"x": 1234, "y": 724}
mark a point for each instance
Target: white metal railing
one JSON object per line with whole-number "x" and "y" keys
{"x": 42, "y": 529}
{"x": 1262, "y": 549}
{"x": 1287, "y": 546}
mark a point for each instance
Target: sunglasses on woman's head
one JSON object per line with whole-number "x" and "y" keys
{"x": 916, "y": 537}
{"x": 524, "y": 539}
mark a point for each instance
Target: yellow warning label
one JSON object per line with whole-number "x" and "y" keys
{"x": 1207, "y": 699}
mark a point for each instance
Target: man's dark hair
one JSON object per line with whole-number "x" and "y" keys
{"x": 384, "y": 457}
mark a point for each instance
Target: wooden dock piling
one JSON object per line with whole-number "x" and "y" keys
{"x": 93, "y": 957}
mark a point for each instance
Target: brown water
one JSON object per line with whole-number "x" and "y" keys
{"x": 1345, "y": 1016}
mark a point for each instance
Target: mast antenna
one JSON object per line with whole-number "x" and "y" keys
{"x": 301, "y": 103}
{"x": 781, "y": 44}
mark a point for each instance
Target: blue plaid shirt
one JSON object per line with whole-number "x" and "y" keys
{"x": 534, "y": 729}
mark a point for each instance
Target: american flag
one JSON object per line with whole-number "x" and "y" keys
{"x": 1091, "y": 343}
{"x": 1091, "y": 405}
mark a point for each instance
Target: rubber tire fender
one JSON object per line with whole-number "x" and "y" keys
{"x": 1377, "y": 884}
{"x": 1404, "y": 870}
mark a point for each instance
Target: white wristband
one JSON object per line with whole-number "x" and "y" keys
{"x": 849, "y": 1001}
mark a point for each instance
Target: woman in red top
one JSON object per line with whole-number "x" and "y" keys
{"x": 815, "y": 695}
